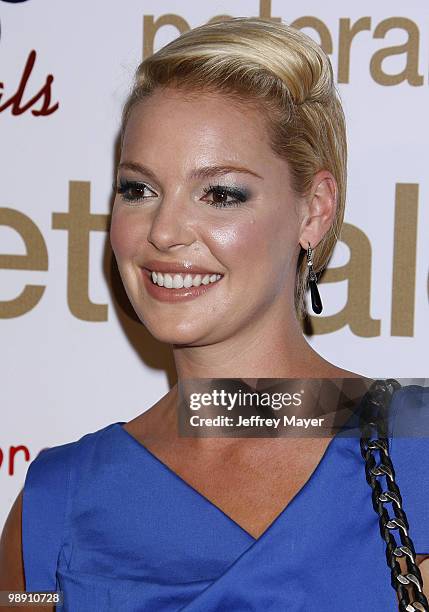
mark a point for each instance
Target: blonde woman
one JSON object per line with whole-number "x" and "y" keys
{"x": 233, "y": 165}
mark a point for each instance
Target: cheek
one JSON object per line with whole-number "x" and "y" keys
{"x": 124, "y": 234}
{"x": 234, "y": 242}
{"x": 262, "y": 246}
{"x": 262, "y": 240}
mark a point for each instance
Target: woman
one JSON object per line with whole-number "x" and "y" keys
{"x": 232, "y": 179}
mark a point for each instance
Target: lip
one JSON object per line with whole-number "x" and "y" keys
{"x": 174, "y": 295}
{"x": 178, "y": 267}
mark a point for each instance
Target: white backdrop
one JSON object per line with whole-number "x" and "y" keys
{"x": 72, "y": 358}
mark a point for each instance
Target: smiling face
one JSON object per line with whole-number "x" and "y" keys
{"x": 241, "y": 224}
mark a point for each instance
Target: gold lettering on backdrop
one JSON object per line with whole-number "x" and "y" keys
{"x": 346, "y": 35}
{"x": 36, "y": 258}
{"x": 151, "y": 27}
{"x": 79, "y": 222}
{"x": 404, "y": 260}
{"x": 319, "y": 27}
{"x": 265, "y": 11}
{"x": 410, "y": 47}
{"x": 357, "y": 272}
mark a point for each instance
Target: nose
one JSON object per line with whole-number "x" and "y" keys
{"x": 171, "y": 224}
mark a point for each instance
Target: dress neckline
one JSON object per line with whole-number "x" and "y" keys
{"x": 309, "y": 484}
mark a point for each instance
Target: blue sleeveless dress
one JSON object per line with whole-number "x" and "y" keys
{"x": 115, "y": 529}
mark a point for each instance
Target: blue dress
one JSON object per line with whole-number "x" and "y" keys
{"x": 115, "y": 529}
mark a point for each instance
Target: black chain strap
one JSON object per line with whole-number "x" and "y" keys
{"x": 374, "y": 415}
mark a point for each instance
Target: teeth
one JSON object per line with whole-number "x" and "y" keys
{"x": 187, "y": 281}
{"x": 177, "y": 281}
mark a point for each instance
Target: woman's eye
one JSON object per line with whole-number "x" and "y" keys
{"x": 132, "y": 191}
{"x": 221, "y": 195}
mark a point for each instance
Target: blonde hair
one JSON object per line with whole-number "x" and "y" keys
{"x": 284, "y": 73}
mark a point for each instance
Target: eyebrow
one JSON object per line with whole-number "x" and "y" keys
{"x": 203, "y": 172}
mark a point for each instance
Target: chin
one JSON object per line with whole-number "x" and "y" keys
{"x": 177, "y": 333}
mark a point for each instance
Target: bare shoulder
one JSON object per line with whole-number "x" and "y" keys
{"x": 329, "y": 370}
{"x": 11, "y": 563}
{"x": 422, "y": 562}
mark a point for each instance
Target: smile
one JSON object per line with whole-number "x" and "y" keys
{"x": 177, "y": 281}
{"x": 174, "y": 287}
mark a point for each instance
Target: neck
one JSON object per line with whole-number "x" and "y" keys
{"x": 256, "y": 351}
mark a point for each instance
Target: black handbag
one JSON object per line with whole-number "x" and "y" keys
{"x": 374, "y": 416}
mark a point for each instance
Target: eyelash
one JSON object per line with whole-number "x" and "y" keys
{"x": 239, "y": 195}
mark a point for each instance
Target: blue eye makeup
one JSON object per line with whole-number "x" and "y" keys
{"x": 239, "y": 195}
{"x": 133, "y": 191}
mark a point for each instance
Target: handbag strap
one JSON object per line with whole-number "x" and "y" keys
{"x": 374, "y": 416}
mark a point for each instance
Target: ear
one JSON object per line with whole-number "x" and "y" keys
{"x": 320, "y": 209}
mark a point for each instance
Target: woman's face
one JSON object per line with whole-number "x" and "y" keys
{"x": 174, "y": 209}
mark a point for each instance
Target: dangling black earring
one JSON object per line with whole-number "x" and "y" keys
{"x": 316, "y": 302}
